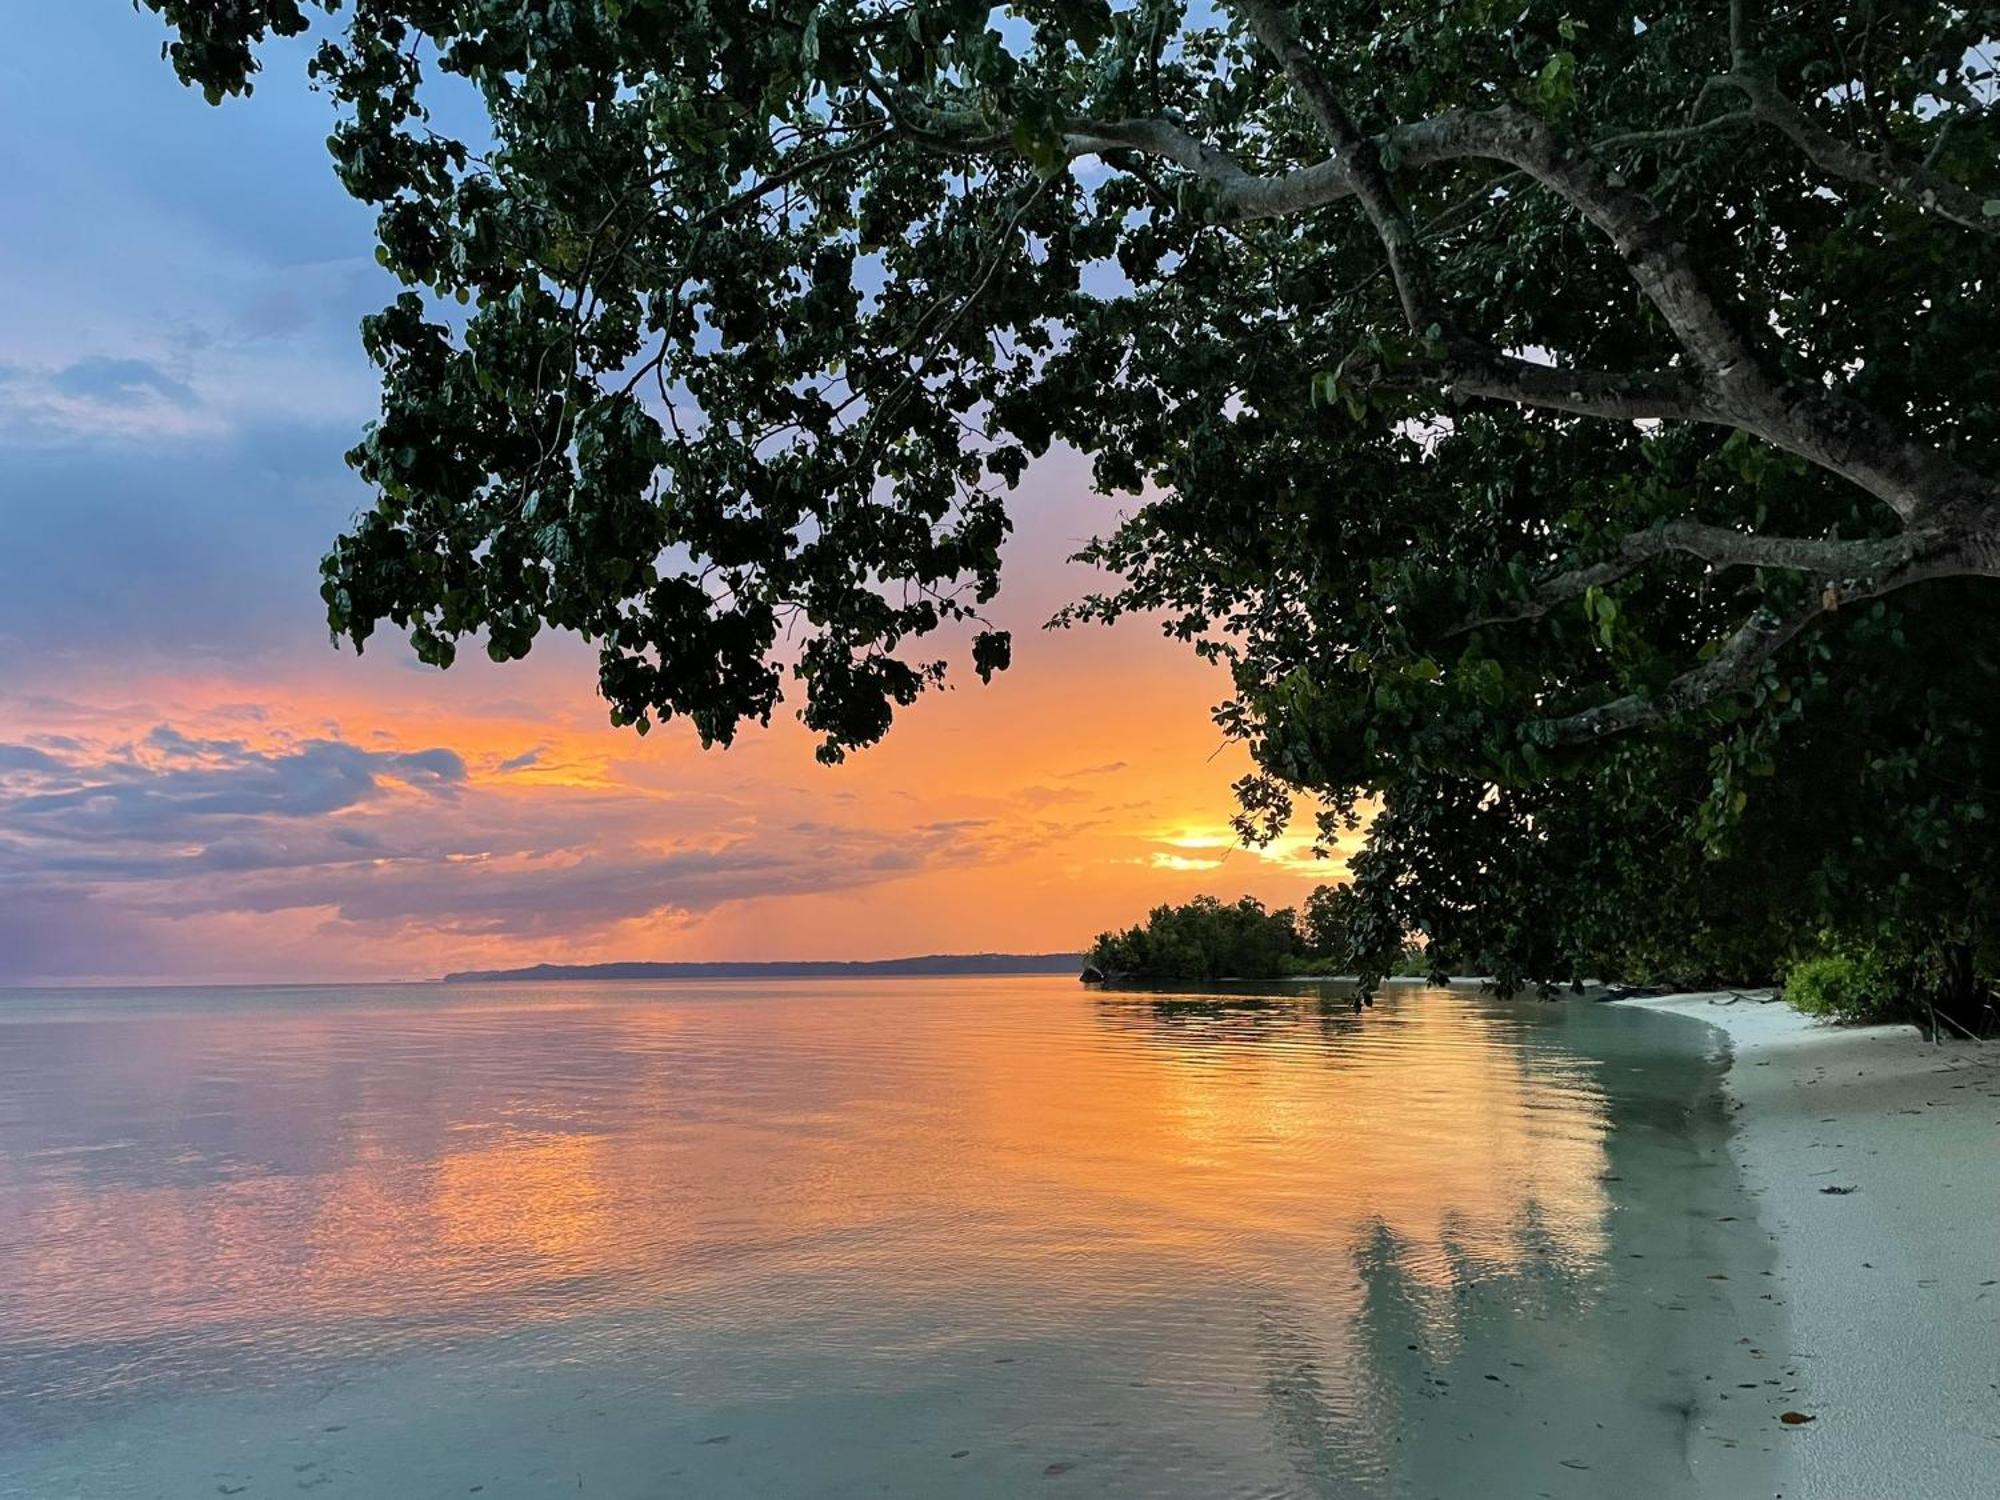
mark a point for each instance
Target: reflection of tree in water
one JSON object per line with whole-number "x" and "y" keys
{"x": 1362, "y": 1405}
{"x": 1180, "y": 1019}
{"x": 1329, "y": 1442}
{"x": 1447, "y": 1116}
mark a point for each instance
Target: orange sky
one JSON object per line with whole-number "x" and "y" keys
{"x": 1079, "y": 789}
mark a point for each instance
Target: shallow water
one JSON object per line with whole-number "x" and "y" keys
{"x": 915, "y": 1237}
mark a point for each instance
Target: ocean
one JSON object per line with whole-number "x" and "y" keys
{"x": 910, "y": 1237}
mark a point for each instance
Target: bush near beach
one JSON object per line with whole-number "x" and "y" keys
{"x": 1843, "y": 987}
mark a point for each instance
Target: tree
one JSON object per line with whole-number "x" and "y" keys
{"x": 1863, "y": 828}
{"x": 1328, "y": 925}
{"x": 1207, "y": 939}
{"x": 1504, "y": 382}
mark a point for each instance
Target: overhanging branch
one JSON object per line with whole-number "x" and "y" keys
{"x": 1910, "y": 181}
{"x": 1851, "y": 569}
{"x": 1362, "y": 159}
{"x": 1879, "y": 567}
{"x": 1732, "y": 669}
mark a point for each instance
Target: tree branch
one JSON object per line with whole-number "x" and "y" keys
{"x": 1742, "y": 656}
{"x": 1913, "y": 478}
{"x": 1471, "y": 369}
{"x": 1918, "y": 481}
{"x": 1166, "y": 140}
{"x": 1852, "y": 569}
{"x": 1919, "y": 184}
{"x": 1730, "y": 670}
{"x": 800, "y": 165}
{"x": 1361, "y": 158}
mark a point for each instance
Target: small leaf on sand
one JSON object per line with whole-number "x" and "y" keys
{"x": 1839, "y": 1190}
{"x": 1794, "y": 1418}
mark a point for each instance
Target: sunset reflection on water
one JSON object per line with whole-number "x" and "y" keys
{"x": 235, "y": 1191}
{"x": 459, "y": 1162}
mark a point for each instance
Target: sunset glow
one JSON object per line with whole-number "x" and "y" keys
{"x": 194, "y": 785}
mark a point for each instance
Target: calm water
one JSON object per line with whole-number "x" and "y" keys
{"x": 914, "y": 1238}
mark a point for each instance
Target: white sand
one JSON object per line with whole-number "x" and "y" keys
{"x": 1893, "y": 1288}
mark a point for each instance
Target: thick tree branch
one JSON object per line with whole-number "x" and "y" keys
{"x": 1739, "y": 661}
{"x": 1169, "y": 142}
{"x": 1915, "y": 479}
{"x": 1470, "y": 369}
{"x": 1912, "y": 477}
{"x": 1852, "y": 569}
{"x": 1919, "y": 184}
{"x": 1729, "y": 671}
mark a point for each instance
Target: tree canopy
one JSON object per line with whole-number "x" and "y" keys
{"x": 1205, "y": 939}
{"x": 1551, "y": 413}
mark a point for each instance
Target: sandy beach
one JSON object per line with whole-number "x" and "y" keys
{"x": 1874, "y": 1158}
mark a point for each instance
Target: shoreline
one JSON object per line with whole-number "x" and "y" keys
{"x": 1892, "y": 1286}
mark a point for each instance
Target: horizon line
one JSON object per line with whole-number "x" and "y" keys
{"x": 14, "y": 986}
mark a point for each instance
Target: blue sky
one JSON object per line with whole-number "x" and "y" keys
{"x": 179, "y": 287}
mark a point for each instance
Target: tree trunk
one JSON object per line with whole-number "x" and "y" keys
{"x": 1960, "y": 1006}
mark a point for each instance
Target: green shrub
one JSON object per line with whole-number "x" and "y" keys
{"x": 1843, "y": 987}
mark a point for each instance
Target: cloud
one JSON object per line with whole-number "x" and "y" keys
{"x": 120, "y": 841}
{"x": 28, "y": 758}
{"x": 175, "y": 788}
{"x": 1182, "y": 862}
{"x": 522, "y": 761}
{"x": 1050, "y": 796}
{"x": 1110, "y": 767}
{"x": 100, "y": 398}
{"x": 121, "y": 382}
{"x": 210, "y": 551}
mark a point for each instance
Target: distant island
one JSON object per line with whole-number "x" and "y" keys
{"x": 929, "y": 963}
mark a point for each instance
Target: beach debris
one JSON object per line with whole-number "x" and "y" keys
{"x": 1794, "y": 1418}
{"x": 1838, "y": 1191}
{"x": 1058, "y": 1468}
{"x": 1572, "y": 1463}
{"x": 961, "y": 1453}
{"x": 720, "y": 1437}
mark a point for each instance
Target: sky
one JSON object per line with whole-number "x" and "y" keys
{"x": 195, "y": 786}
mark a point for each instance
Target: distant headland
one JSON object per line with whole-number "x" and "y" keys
{"x": 929, "y": 963}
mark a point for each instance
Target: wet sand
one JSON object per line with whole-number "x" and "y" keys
{"x": 1892, "y": 1285}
